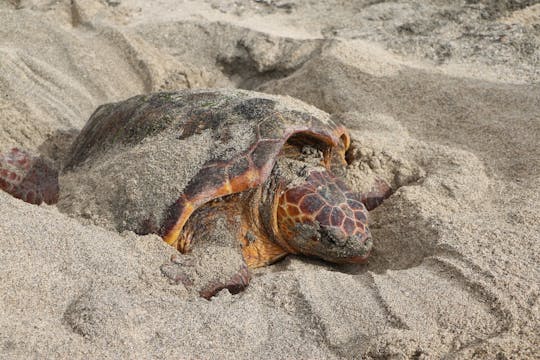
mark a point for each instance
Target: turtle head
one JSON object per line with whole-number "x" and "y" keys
{"x": 322, "y": 217}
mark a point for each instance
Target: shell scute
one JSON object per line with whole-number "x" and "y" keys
{"x": 256, "y": 108}
{"x": 264, "y": 152}
{"x": 198, "y": 120}
{"x": 271, "y": 127}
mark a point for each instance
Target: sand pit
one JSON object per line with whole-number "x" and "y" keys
{"x": 443, "y": 101}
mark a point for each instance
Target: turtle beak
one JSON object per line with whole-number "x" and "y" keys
{"x": 365, "y": 249}
{"x": 352, "y": 249}
{"x": 357, "y": 259}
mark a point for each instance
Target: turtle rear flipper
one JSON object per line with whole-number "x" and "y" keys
{"x": 214, "y": 261}
{"x": 28, "y": 178}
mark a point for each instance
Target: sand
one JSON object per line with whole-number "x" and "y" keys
{"x": 443, "y": 101}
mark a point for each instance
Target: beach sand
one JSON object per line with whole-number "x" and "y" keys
{"x": 442, "y": 99}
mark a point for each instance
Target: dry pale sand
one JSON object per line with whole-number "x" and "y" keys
{"x": 442, "y": 99}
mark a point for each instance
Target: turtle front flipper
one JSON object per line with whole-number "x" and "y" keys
{"x": 214, "y": 260}
{"x": 380, "y": 191}
{"x": 28, "y": 178}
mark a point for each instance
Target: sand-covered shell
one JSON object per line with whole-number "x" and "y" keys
{"x": 146, "y": 163}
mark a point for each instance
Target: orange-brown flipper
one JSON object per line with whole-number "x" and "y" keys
{"x": 212, "y": 182}
{"x": 214, "y": 260}
{"x": 28, "y": 178}
{"x": 379, "y": 191}
{"x": 216, "y": 180}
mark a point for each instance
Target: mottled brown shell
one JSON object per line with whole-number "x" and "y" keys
{"x": 246, "y": 130}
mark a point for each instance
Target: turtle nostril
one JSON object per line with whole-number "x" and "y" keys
{"x": 366, "y": 234}
{"x": 333, "y": 235}
{"x": 366, "y": 240}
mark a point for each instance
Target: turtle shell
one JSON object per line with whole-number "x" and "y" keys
{"x": 146, "y": 163}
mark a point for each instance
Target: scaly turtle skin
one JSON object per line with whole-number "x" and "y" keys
{"x": 260, "y": 183}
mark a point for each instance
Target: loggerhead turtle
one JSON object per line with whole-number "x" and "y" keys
{"x": 235, "y": 179}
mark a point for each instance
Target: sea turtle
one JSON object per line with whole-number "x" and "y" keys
{"x": 235, "y": 179}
